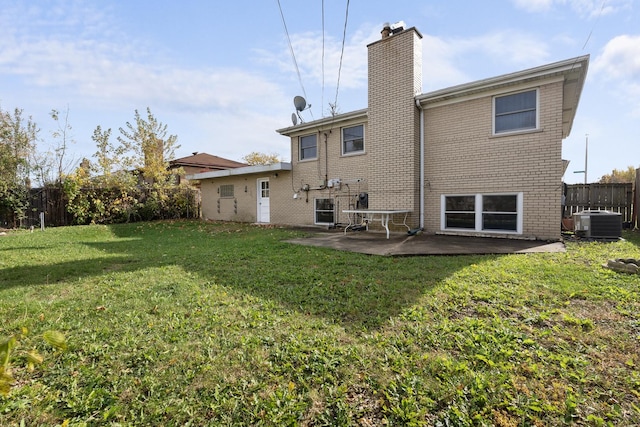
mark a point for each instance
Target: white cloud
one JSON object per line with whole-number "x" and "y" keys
{"x": 445, "y": 59}
{"x": 534, "y": 5}
{"x": 439, "y": 69}
{"x": 620, "y": 58}
{"x": 99, "y": 71}
{"x": 619, "y": 64}
{"x": 308, "y": 51}
{"x": 584, "y": 8}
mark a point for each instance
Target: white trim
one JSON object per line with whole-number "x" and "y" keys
{"x": 300, "y": 159}
{"x": 554, "y": 70}
{"x": 333, "y": 200}
{"x": 352, "y": 153}
{"x": 275, "y": 167}
{"x": 259, "y": 198}
{"x": 515, "y": 131}
{"x": 478, "y": 213}
{"x": 320, "y": 123}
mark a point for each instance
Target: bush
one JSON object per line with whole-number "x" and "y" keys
{"x": 118, "y": 199}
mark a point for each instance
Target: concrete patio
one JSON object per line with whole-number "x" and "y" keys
{"x": 401, "y": 244}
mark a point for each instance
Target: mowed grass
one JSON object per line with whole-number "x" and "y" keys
{"x": 193, "y": 323}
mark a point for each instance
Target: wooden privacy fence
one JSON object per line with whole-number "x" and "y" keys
{"x": 51, "y": 201}
{"x": 51, "y": 204}
{"x": 610, "y": 197}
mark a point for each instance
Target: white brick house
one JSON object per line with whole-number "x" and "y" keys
{"x": 482, "y": 158}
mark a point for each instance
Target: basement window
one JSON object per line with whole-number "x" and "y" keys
{"x": 324, "y": 212}
{"x": 501, "y": 213}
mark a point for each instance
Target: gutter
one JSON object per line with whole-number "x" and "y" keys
{"x": 246, "y": 170}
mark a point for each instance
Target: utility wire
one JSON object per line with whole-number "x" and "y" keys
{"x": 293, "y": 56}
{"x": 322, "y": 94}
{"x": 604, "y": 2}
{"x": 344, "y": 36}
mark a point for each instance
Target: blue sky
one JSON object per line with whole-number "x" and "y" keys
{"x": 221, "y": 77}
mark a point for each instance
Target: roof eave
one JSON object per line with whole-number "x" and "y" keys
{"x": 246, "y": 170}
{"x": 573, "y": 72}
{"x": 321, "y": 123}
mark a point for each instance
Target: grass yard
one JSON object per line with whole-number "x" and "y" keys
{"x": 192, "y": 323}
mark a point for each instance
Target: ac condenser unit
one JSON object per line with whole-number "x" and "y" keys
{"x": 598, "y": 224}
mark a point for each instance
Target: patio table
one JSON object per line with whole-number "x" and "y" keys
{"x": 370, "y": 215}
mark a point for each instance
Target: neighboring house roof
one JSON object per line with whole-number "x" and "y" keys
{"x": 205, "y": 161}
{"x": 572, "y": 71}
{"x": 275, "y": 167}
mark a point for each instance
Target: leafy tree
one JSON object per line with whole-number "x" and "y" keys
{"x": 115, "y": 194}
{"x": 110, "y": 167}
{"x": 256, "y": 158}
{"x": 17, "y": 143}
{"x": 619, "y": 176}
{"x": 149, "y": 147}
{"x": 107, "y": 155}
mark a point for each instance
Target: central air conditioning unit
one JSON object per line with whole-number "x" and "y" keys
{"x": 598, "y": 224}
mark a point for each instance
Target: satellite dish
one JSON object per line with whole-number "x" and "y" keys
{"x": 300, "y": 103}
{"x": 294, "y": 119}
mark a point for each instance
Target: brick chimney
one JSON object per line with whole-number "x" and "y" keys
{"x": 395, "y": 78}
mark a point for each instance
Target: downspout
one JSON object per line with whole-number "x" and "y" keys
{"x": 326, "y": 160}
{"x": 421, "y": 164}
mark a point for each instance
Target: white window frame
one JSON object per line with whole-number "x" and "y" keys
{"x": 302, "y": 159}
{"x": 315, "y": 211}
{"x": 343, "y": 140}
{"x": 478, "y": 212}
{"x": 519, "y": 130}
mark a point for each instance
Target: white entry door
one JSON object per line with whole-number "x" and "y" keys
{"x": 263, "y": 200}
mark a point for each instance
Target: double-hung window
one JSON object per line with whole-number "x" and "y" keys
{"x": 308, "y": 147}
{"x": 515, "y": 112}
{"x": 483, "y": 212}
{"x": 324, "y": 211}
{"x": 500, "y": 212}
{"x": 353, "y": 139}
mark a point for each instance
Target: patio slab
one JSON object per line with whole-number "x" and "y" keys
{"x": 424, "y": 244}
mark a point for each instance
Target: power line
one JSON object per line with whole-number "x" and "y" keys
{"x": 322, "y": 93}
{"x": 594, "y": 24}
{"x": 344, "y": 36}
{"x": 293, "y": 56}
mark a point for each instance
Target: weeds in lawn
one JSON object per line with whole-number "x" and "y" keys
{"x": 177, "y": 323}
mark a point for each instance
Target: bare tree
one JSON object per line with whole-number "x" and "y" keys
{"x": 62, "y": 137}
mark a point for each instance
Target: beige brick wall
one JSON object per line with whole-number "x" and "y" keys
{"x": 463, "y": 157}
{"x": 461, "y": 154}
{"x": 329, "y": 164}
{"x": 395, "y": 77}
{"x": 241, "y": 207}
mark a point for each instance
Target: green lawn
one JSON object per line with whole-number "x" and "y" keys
{"x": 191, "y": 323}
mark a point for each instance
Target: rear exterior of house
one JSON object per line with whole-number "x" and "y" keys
{"x": 480, "y": 159}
